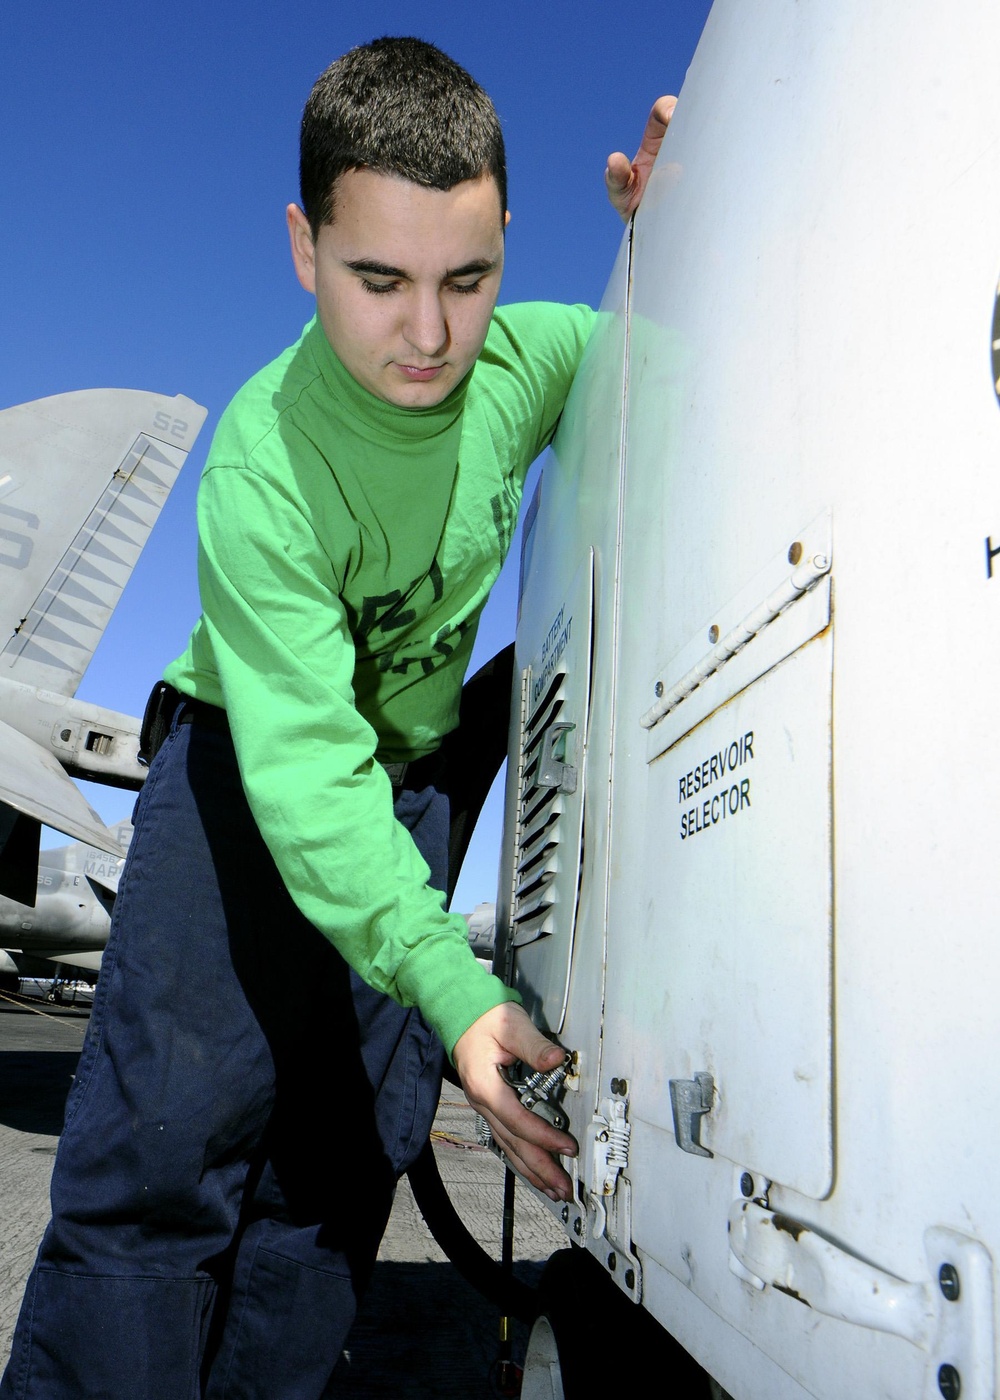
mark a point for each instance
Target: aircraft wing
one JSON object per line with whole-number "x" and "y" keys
{"x": 83, "y": 477}
{"x": 33, "y": 784}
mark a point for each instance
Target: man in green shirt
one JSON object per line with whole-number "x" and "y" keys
{"x": 230, "y": 1151}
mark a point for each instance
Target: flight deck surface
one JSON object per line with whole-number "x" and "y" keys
{"x": 422, "y": 1334}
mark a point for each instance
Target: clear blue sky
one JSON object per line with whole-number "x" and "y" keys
{"x": 146, "y": 158}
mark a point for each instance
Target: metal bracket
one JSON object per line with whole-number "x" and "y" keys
{"x": 948, "y": 1314}
{"x": 537, "y": 1090}
{"x": 690, "y": 1099}
{"x": 611, "y": 1131}
{"x": 553, "y": 770}
{"x": 608, "y": 1223}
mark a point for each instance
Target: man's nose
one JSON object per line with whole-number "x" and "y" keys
{"x": 426, "y": 327}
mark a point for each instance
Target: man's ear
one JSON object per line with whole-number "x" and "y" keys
{"x": 303, "y": 247}
{"x": 506, "y": 218}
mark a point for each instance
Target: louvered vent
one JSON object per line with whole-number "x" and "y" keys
{"x": 540, "y": 805}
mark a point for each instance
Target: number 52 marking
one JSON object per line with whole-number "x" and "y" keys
{"x": 163, "y": 422}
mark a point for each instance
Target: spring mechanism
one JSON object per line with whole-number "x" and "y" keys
{"x": 538, "y": 1085}
{"x": 536, "y": 1091}
{"x": 618, "y": 1140}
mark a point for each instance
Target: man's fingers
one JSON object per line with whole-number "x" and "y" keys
{"x": 626, "y": 179}
{"x": 516, "y": 1037}
{"x": 540, "y": 1171}
{"x": 535, "y": 1049}
{"x": 535, "y": 1162}
{"x": 507, "y": 1116}
{"x": 657, "y": 122}
{"x": 619, "y": 171}
{"x": 499, "y": 1038}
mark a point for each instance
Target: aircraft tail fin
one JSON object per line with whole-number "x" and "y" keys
{"x": 83, "y": 477}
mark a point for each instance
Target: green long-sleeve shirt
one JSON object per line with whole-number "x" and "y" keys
{"x": 347, "y": 547}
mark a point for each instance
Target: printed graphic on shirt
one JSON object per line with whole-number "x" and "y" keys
{"x": 382, "y": 614}
{"x": 442, "y": 645}
{"x": 387, "y": 613}
{"x": 504, "y": 510}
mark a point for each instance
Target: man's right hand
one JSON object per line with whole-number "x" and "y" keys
{"x": 626, "y": 179}
{"x": 499, "y": 1038}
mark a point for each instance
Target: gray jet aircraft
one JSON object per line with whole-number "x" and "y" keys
{"x": 83, "y": 477}
{"x": 71, "y": 916}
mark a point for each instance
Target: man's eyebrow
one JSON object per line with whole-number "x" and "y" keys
{"x": 376, "y": 268}
{"x": 479, "y": 266}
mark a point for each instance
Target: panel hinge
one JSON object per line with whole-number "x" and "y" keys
{"x": 609, "y": 1199}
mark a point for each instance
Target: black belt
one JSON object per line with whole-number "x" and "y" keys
{"x": 158, "y": 716}
{"x": 417, "y": 773}
{"x": 209, "y": 715}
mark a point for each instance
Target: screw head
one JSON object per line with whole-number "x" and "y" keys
{"x": 658, "y": 689}
{"x": 577, "y": 1226}
{"x": 629, "y": 1278}
{"x": 713, "y": 633}
{"x": 949, "y": 1381}
{"x": 746, "y": 1184}
{"x": 950, "y": 1284}
{"x": 612, "y": 1261}
{"x": 565, "y": 1214}
{"x": 795, "y": 552}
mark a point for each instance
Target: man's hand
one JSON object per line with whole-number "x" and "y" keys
{"x": 626, "y": 179}
{"x": 501, "y": 1037}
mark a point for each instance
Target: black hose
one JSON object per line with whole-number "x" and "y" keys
{"x": 496, "y": 1284}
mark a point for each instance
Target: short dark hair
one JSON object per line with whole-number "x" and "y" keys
{"x": 398, "y": 106}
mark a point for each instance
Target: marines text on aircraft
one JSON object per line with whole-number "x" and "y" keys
{"x": 83, "y": 477}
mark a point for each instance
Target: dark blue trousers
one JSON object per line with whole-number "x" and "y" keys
{"x": 243, "y": 1107}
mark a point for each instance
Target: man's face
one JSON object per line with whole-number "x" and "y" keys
{"x": 405, "y": 279}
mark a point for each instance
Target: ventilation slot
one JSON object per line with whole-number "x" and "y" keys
{"x": 539, "y": 809}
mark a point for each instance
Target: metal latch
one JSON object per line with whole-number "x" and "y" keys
{"x": 553, "y": 770}
{"x": 610, "y": 1134}
{"x": 535, "y": 1090}
{"x": 690, "y": 1099}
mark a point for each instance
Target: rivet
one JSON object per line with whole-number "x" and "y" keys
{"x": 629, "y": 1279}
{"x": 577, "y": 1226}
{"x": 658, "y": 689}
{"x": 565, "y": 1214}
{"x": 612, "y": 1262}
{"x": 713, "y": 633}
{"x": 746, "y": 1184}
{"x": 949, "y": 1381}
{"x": 795, "y": 552}
{"x": 949, "y": 1281}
